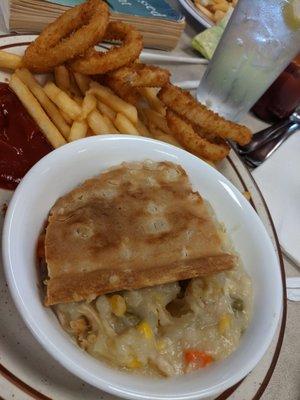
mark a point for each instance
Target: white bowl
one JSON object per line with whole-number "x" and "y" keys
{"x": 67, "y": 167}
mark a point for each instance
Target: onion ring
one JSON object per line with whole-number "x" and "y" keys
{"x": 186, "y": 106}
{"x": 74, "y": 32}
{"x": 142, "y": 75}
{"x": 127, "y": 93}
{"x": 93, "y": 62}
{"x": 186, "y": 136}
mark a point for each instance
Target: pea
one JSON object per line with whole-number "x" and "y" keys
{"x": 237, "y": 304}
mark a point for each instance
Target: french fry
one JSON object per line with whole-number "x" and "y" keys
{"x": 83, "y": 82}
{"x": 142, "y": 129}
{"x": 218, "y": 16}
{"x": 157, "y": 119}
{"x": 62, "y": 100}
{"x": 78, "y": 100}
{"x": 156, "y": 133}
{"x": 97, "y": 123}
{"x": 221, "y": 6}
{"x": 215, "y": 9}
{"x": 113, "y": 101}
{"x": 124, "y": 125}
{"x": 90, "y": 132}
{"x": 62, "y": 78}
{"x": 78, "y": 130}
{"x": 204, "y": 10}
{"x": 74, "y": 89}
{"x": 68, "y": 119}
{"x": 9, "y": 60}
{"x": 37, "y": 113}
{"x": 106, "y": 110}
{"x": 111, "y": 126}
{"x": 150, "y": 95}
{"x": 50, "y": 108}
{"x": 89, "y": 104}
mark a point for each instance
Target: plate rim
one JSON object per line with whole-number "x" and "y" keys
{"x": 195, "y": 13}
{"x": 38, "y": 395}
{"x": 281, "y": 333}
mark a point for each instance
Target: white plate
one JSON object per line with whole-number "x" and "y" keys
{"x": 196, "y": 13}
{"x": 28, "y": 371}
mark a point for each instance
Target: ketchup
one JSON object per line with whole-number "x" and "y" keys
{"x": 282, "y": 97}
{"x": 21, "y": 142}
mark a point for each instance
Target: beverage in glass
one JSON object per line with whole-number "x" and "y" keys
{"x": 260, "y": 40}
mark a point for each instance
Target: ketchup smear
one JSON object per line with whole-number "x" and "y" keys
{"x": 21, "y": 142}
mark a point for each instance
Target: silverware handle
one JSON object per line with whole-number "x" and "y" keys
{"x": 261, "y": 138}
{"x": 255, "y": 158}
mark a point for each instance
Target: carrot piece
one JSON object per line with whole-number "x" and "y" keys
{"x": 199, "y": 358}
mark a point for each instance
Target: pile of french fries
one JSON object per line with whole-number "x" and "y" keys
{"x": 215, "y": 10}
{"x": 73, "y": 106}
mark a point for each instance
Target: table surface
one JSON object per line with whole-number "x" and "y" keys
{"x": 285, "y": 382}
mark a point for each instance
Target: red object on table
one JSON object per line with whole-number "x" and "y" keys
{"x": 282, "y": 97}
{"x": 21, "y": 142}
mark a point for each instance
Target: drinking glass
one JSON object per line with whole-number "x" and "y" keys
{"x": 260, "y": 40}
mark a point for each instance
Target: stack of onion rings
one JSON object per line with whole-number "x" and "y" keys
{"x": 73, "y": 33}
{"x": 93, "y": 62}
{"x": 71, "y": 40}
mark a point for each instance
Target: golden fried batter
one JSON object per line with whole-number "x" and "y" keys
{"x": 127, "y": 93}
{"x": 94, "y": 62}
{"x": 186, "y": 135}
{"x": 70, "y": 35}
{"x": 186, "y": 106}
{"x": 141, "y": 75}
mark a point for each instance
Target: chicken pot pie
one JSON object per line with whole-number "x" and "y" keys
{"x": 141, "y": 274}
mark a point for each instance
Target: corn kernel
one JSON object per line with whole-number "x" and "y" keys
{"x": 134, "y": 363}
{"x": 145, "y": 329}
{"x": 160, "y": 345}
{"x": 224, "y": 323}
{"x": 158, "y": 297}
{"x": 118, "y": 305}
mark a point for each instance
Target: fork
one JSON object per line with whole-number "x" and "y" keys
{"x": 271, "y": 133}
{"x": 257, "y": 157}
{"x": 267, "y": 141}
